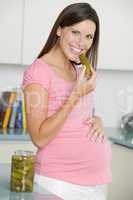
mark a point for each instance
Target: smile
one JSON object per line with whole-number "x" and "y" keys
{"x": 75, "y": 50}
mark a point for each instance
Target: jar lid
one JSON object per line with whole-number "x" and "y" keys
{"x": 23, "y": 153}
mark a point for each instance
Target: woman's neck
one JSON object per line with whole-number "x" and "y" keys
{"x": 57, "y": 58}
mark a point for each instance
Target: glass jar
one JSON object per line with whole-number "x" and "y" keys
{"x": 22, "y": 171}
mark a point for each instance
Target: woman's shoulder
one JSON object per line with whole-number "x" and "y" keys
{"x": 37, "y": 72}
{"x": 38, "y": 66}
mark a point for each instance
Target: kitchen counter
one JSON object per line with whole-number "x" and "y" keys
{"x": 14, "y": 135}
{"x": 120, "y": 137}
{"x": 115, "y": 135}
{"x": 6, "y": 194}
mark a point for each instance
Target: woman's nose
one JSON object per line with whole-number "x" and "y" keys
{"x": 81, "y": 43}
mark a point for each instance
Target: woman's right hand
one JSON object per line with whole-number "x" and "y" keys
{"x": 82, "y": 88}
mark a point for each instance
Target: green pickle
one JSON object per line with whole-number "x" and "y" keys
{"x": 22, "y": 171}
{"x": 85, "y": 61}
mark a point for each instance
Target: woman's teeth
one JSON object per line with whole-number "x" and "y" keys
{"x": 75, "y": 50}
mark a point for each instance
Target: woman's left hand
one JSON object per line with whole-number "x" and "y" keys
{"x": 96, "y": 130}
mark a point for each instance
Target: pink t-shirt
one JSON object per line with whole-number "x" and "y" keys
{"x": 70, "y": 156}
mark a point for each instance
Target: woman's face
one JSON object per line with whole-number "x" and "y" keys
{"x": 76, "y": 39}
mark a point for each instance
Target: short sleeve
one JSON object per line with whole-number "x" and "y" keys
{"x": 38, "y": 73}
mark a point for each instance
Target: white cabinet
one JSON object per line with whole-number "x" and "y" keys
{"x": 10, "y": 31}
{"x": 25, "y": 26}
{"x": 122, "y": 169}
{"x": 116, "y": 41}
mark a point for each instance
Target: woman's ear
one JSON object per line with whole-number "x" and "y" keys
{"x": 58, "y": 31}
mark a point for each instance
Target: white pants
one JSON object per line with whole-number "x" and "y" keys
{"x": 69, "y": 191}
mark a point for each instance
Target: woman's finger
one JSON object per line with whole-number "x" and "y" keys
{"x": 99, "y": 135}
{"x": 91, "y": 132}
{"x": 82, "y": 74}
{"x": 96, "y": 133}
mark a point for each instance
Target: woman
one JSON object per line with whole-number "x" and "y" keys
{"x": 73, "y": 157}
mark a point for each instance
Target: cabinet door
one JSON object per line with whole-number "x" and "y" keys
{"x": 116, "y": 41}
{"x": 122, "y": 167}
{"x": 38, "y": 18}
{"x": 10, "y": 31}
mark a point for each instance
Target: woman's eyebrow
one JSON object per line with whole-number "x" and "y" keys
{"x": 89, "y": 34}
{"x": 75, "y": 30}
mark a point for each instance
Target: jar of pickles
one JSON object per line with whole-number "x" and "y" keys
{"x": 22, "y": 171}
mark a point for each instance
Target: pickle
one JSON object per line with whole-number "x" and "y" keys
{"x": 84, "y": 61}
{"x": 22, "y": 173}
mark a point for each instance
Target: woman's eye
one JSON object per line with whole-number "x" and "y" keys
{"x": 75, "y": 32}
{"x": 89, "y": 37}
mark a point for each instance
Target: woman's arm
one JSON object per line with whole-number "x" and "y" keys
{"x": 41, "y": 128}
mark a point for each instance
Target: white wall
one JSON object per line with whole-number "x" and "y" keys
{"x": 114, "y": 93}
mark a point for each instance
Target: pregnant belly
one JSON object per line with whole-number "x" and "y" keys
{"x": 75, "y": 153}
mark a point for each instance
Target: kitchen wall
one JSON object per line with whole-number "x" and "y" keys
{"x": 114, "y": 93}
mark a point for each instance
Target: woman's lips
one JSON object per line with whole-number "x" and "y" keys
{"x": 75, "y": 50}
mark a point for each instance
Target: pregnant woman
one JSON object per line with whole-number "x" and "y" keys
{"x": 74, "y": 155}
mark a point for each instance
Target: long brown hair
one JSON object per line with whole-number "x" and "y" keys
{"x": 70, "y": 15}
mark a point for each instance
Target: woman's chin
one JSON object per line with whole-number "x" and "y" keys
{"x": 74, "y": 59}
